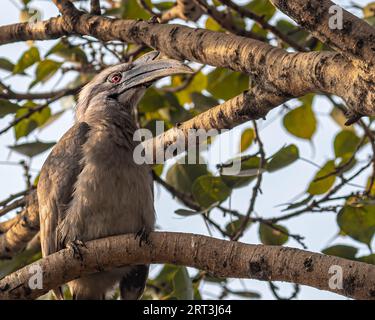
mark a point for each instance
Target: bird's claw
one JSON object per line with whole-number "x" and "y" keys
{"x": 143, "y": 234}
{"x": 76, "y": 246}
{"x": 153, "y": 19}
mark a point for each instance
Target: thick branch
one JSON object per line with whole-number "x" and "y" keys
{"x": 22, "y": 230}
{"x": 219, "y": 257}
{"x": 250, "y": 105}
{"x": 356, "y": 39}
{"x": 287, "y": 74}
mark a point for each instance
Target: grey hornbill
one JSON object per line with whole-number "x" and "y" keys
{"x": 90, "y": 186}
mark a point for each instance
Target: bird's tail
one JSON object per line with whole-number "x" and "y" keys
{"x": 133, "y": 283}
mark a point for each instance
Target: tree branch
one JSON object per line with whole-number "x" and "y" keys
{"x": 262, "y": 22}
{"x": 95, "y": 7}
{"x": 219, "y": 257}
{"x": 356, "y": 39}
{"x": 250, "y": 105}
{"x": 286, "y": 74}
{"x": 21, "y": 229}
{"x": 10, "y": 94}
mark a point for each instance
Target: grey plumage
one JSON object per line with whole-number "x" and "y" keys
{"x": 90, "y": 187}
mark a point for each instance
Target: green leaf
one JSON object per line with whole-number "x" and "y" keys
{"x": 27, "y": 125}
{"x": 232, "y": 227}
{"x": 321, "y": 186}
{"x": 347, "y": 162}
{"x": 186, "y": 213}
{"x": 299, "y": 203}
{"x": 259, "y": 30}
{"x": 284, "y": 157}
{"x": 45, "y": 70}
{"x": 372, "y": 191}
{"x": 174, "y": 283}
{"x": 183, "y": 288}
{"x": 225, "y": 84}
{"x": 249, "y": 170}
{"x": 369, "y": 10}
{"x": 52, "y": 119}
{"x": 271, "y": 236}
{"x": 181, "y": 176}
{"x": 370, "y": 21}
{"x": 7, "y": 107}
{"x": 158, "y": 169}
{"x": 163, "y": 6}
{"x": 247, "y": 138}
{"x": 301, "y": 122}
{"x": 202, "y": 102}
{"x": 152, "y": 101}
{"x": 5, "y": 64}
{"x": 263, "y": 8}
{"x": 211, "y": 24}
{"x": 176, "y": 113}
{"x": 213, "y": 279}
{"x": 32, "y": 149}
{"x": 69, "y": 52}
{"x": 346, "y": 142}
{"x": 132, "y": 10}
{"x": 27, "y": 59}
{"x": 198, "y": 84}
{"x": 208, "y": 189}
{"x": 341, "y": 250}
{"x": 358, "y": 222}
{"x": 292, "y": 31}
{"x": 370, "y": 259}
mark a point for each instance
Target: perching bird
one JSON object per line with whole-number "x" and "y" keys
{"x": 90, "y": 186}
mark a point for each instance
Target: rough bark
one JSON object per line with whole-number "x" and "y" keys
{"x": 250, "y": 105}
{"x": 276, "y": 74}
{"x": 220, "y": 258}
{"x": 286, "y": 74}
{"x": 356, "y": 39}
{"x": 21, "y": 230}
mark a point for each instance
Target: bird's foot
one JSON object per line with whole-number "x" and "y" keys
{"x": 143, "y": 234}
{"x": 76, "y": 246}
{"x": 154, "y": 19}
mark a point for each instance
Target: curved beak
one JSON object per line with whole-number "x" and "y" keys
{"x": 149, "y": 68}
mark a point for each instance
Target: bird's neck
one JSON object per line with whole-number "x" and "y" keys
{"x": 113, "y": 116}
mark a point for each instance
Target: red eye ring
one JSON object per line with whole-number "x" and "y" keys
{"x": 115, "y": 78}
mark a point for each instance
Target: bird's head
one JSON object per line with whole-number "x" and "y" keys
{"x": 125, "y": 84}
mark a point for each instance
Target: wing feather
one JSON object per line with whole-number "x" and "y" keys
{"x": 56, "y": 184}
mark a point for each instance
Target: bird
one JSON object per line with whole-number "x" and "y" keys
{"x": 90, "y": 187}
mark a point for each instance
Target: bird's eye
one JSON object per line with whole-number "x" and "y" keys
{"x": 115, "y": 78}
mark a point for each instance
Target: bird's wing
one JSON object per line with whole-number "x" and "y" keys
{"x": 56, "y": 184}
